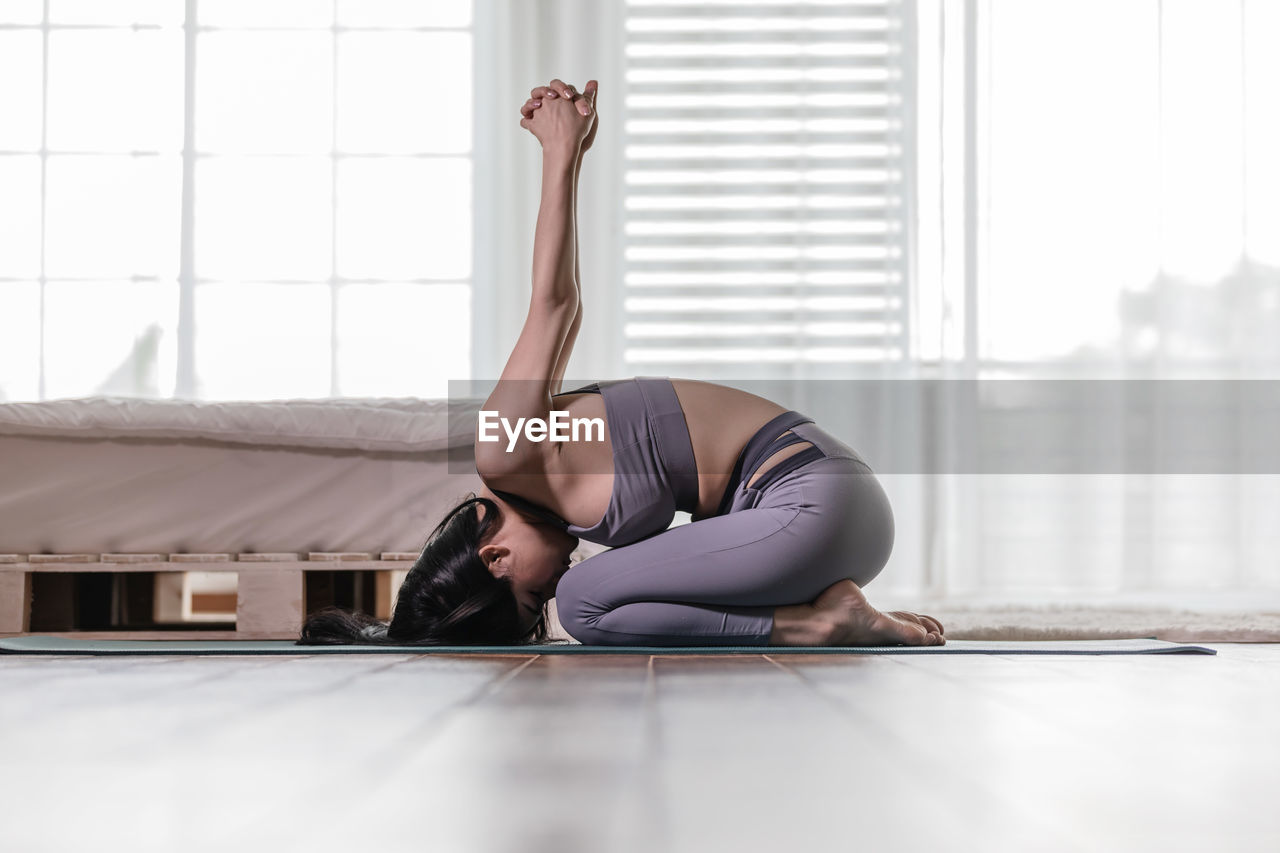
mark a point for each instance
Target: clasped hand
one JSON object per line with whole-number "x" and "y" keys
{"x": 562, "y": 119}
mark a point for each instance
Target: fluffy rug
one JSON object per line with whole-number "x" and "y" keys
{"x": 1080, "y": 622}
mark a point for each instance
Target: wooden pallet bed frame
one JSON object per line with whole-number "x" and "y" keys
{"x": 99, "y": 492}
{"x": 270, "y": 589}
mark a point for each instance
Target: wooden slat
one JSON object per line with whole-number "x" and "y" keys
{"x": 384, "y": 592}
{"x": 269, "y": 557}
{"x": 222, "y": 566}
{"x": 338, "y": 556}
{"x": 12, "y": 558}
{"x": 15, "y": 602}
{"x": 270, "y": 603}
{"x": 157, "y": 635}
{"x": 205, "y": 603}
{"x": 200, "y": 558}
{"x": 133, "y": 558}
{"x": 38, "y": 559}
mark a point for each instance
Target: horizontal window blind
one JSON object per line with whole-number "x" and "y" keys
{"x": 764, "y": 170}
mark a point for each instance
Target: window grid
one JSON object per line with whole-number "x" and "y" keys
{"x": 186, "y": 277}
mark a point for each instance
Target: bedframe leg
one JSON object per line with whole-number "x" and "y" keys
{"x": 382, "y": 599}
{"x": 15, "y": 602}
{"x": 269, "y": 604}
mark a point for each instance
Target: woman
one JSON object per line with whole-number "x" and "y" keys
{"x": 787, "y": 521}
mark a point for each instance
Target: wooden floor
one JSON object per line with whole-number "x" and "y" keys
{"x": 630, "y": 753}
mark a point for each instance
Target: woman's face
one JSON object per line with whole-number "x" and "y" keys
{"x": 532, "y": 553}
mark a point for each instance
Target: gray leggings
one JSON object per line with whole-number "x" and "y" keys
{"x": 717, "y": 581}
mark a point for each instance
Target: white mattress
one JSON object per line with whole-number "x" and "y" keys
{"x": 398, "y": 424}
{"x": 109, "y": 474}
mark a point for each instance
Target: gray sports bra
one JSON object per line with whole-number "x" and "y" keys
{"x": 654, "y": 473}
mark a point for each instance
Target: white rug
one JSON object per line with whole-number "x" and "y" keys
{"x": 1091, "y": 622}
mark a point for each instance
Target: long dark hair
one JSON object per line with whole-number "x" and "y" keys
{"x": 449, "y": 598}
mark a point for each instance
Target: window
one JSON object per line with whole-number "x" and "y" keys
{"x": 234, "y": 199}
{"x": 765, "y": 169}
{"x": 1129, "y": 213}
{"x": 1124, "y": 224}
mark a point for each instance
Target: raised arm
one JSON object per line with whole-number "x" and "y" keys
{"x": 536, "y": 96}
{"x": 562, "y": 361}
{"x": 524, "y": 388}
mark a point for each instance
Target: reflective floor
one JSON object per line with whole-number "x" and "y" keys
{"x": 631, "y": 753}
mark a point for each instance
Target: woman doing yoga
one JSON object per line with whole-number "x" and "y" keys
{"x": 788, "y": 522}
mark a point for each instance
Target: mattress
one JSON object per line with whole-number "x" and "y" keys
{"x": 111, "y": 474}
{"x": 395, "y": 424}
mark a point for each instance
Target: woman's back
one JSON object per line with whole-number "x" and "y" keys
{"x": 721, "y": 420}
{"x": 579, "y": 475}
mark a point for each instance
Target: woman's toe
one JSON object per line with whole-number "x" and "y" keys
{"x": 912, "y": 634}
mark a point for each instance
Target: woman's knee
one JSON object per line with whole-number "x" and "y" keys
{"x": 873, "y": 530}
{"x": 576, "y": 608}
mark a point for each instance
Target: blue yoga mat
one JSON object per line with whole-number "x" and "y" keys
{"x": 40, "y": 645}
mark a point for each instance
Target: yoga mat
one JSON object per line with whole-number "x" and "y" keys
{"x": 38, "y": 645}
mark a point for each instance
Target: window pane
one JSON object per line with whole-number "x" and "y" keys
{"x": 256, "y": 13}
{"x": 263, "y": 217}
{"x": 384, "y": 349}
{"x": 112, "y": 216}
{"x": 115, "y": 90}
{"x": 115, "y": 11}
{"x": 21, "y": 12}
{"x": 1262, "y": 132}
{"x": 111, "y": 338}
{"x": 1073, "y": 183}
{"x": 392, "y": 13}
{"x": 1201, "y": 145}
{"x": 20, "y": 343}
{"x": 404, "y": 218}
{"x": 19, "y": 217}
{"x": 262, "y": 341}
{"x": 264, "y": 92}
{"x": 402, "y": 93}
{"x": 20, "y": 63}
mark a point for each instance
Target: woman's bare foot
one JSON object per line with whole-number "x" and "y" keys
{"x": 842, "y": 616}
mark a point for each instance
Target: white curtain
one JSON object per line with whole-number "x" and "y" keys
{"x": 1123, "y": 220}
{"x": 1089, "y": 190}
{"x": 785, "y": 196}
